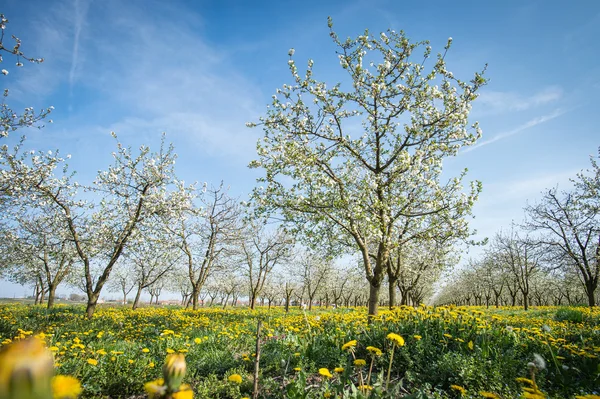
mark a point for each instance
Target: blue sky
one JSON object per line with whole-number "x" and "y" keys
{"x": 198, "y": 70}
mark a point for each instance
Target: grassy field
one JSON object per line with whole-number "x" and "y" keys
{"x": 447, "y": 352}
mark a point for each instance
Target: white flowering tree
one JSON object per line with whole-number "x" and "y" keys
{"x": 261, "y": 251}
{"x": 313, "y": 272}
{"x": 135, "y": 189}
{"x": 350, "y": 166}
{"x": 415, "y": 266}
{"x": 35, "y": 246}
{"x": 203, "y": 234}
{"x": 150, "y": 257}
{"x": 9, "y": 119}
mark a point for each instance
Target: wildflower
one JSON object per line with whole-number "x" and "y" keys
{"x": 365, "y": 387}
{"x": 297, "y": 369}
{"x": 197, "y": 340}
{"x": 461, "y": 390}
{"x": 325, "y": 372}
{"x": 395, "y": 338}
{"x": 524, "y": 380}
{"x": 130, "y": 361}
{"x": 339, "y": 369}
{"x": 538, "y": 362}
{"x": 417, "y": 337}
{"x": 349, "y": 345}
{"x": 489, "y": 395}
{"x": 26, "y": 369}
{"x": 546, "y": 328}
{"x": 360, "y": 362}
{"x": 235, "y": 378}
{"x": 375, "y": 351}
{"x": 470, "y": 345}
{"x": 174, "y": 370}
{"x": 533, "y": 395}
{"x": 65, "y": 387}
{"x": 589, "y": 396}
{"x": 155, "y": 389}
{"x": 93, "y": 362}
{"x": 145, "y": 350}
{"x": 185, "y": 392}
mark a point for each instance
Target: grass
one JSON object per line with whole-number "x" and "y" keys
{"x": 476, "y": 349}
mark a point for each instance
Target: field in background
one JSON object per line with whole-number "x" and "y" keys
{"x": 446, "y": 349}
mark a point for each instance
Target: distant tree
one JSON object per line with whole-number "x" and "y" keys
{"x": 569, "y": 223}
{"x": 203, "y": 234}
{"x": 522, "y": 257}
{"x": 351, "y": 167}
{"x": 260, "y": 252}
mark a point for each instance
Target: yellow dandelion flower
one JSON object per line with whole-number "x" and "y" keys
{"x": 325, "y": 372}
{"x": 349, "y": 345}
{"x": 185, "y": 392}
{"x": 93, "y": 362}
{"x": 197, "y": 340}
{"x": 395, "y": 338}
{"x": 533, "y": 395}
{"x": 297, "y": 369}
{"x": 339, "y": 369}
{"x": 417, "y": 337}
{"x": 365, "y": 387}
{"x": 375, "y": 351}
{"x": 524, "y": 380}
{"x": 489, "y": 395}
{"x": 145, "y": 350}
{"x": 155, "y": 389}
{"x": 461, "y": 390}
{"x": 470, "y": 345}
{"x": 65, "y": 387}
{"x": 169, "y": 350}
{"x": 360, "y": 362}
{"x": 235, "y": 378}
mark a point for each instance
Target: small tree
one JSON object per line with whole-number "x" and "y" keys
{"x": 570, "y": 224}
{"x": 350, "y": 167}
{"x": 261, "y": 251}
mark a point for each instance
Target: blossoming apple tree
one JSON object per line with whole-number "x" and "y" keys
{"x": 350, "y": 164}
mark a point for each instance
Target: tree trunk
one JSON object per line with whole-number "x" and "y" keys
{"x": 91, "y": 305}
{"x": 590, "y": 287}
{"x": 195, "y": 294}
{"x": 252, "y": 300}
{"x": 51, "y": 295}
{"x": 392, "y": 293}
{"x": 136, "y": 301}
{"x": 373, "y": 298}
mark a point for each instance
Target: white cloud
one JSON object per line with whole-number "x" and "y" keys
{"x": 500, "y": 102}
{"x": 529, "y": 124}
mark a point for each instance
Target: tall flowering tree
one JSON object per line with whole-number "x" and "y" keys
{"x": 135, "y": 190}
{"x": 351, "y": 163}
